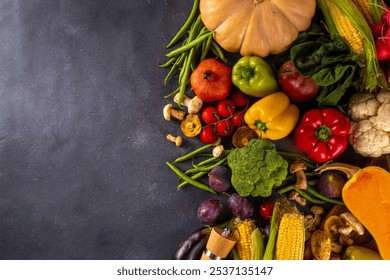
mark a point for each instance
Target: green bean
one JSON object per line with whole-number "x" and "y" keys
{"x": 168, "y": 63}
{"x": 196, "y": 176}
{"x": 206, "y": 168}
{"x": 188, "y": 46}
{"x": 218, "y": 51}
{"x": 320, "y": 196}
{"x": 206, "y": 48}
{"x": 309, "y": 197}
{"x": 172, "y": 93}
{"x": 186, "y": 25}
{"x": 189, "y": 180}
{"x": 286, "y": 189}
{"x": 175, "y": 66}
{"x": 193, "y": 153}
{"x": 185, "y": 78}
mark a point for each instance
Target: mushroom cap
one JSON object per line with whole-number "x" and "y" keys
{"x": 297, "y": 165}
{"x": 320, "y": 243}
{"x": 353, "y": 222}
{"x": 194, "y": 105}
{"x": 191, "y": 125}
{"x": 167, "y": 112}
{"x": 332, "y": 220}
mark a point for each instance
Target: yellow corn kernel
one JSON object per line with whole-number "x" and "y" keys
{"x": 290, "y": 242}
{"x": 243, "y": 232}
{"x": 346, "y": 29}
{"x": 364, "y": 7}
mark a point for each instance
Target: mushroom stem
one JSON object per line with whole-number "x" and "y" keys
{"x": 297, "y": 198}
{"x": 349, "y": 170}
{"x": 169, "y": 113}
{"x": 298, "y": 168}
{"x": 175, "y": 139}
{"x": 194, "y": 105}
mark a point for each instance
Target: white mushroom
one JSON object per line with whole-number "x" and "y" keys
{"x": 297, "y": 198}
{"x": 169, "y": 113}
{"x": 193, "y": 104}
{"x": 175, "y": 139}
{"x": 218, "y": 150}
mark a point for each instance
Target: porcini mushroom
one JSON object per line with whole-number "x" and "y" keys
{"x": 175, "y": 139}
{"x": 169, "y": 113}
{"x": 351, "y": 224}
{"x": 191, "y": 125}
{"x": 193, "y": 104}
{"x": 298, "y": 168}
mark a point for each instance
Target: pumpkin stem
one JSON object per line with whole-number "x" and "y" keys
{"x": 349, "y": 170}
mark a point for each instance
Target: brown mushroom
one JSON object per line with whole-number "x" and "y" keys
{"x": 297, "y": 198}
{"x": 351, "y": 224}
{"x": 317, "y": 211}
{"x": 175, "y": 139}
{"x": 346, "y": 240}
{"x": 298, "y": 168}
{"x": 320, "y": 245}
{"x": 193, "y": 104}
{"x": 336, "y": 247}
{"x": 242, "y": 136}
{"x": 169, "y": 113}
{"x": 332, "y": 225}
{"x": 191, "y": 125}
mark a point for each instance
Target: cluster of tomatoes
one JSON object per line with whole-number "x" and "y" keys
{"x": 222, "y": 119}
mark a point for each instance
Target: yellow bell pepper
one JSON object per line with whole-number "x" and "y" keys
{"x": 272, "y": 117}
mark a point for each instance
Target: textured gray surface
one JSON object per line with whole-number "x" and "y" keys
{"x": 82, "y": 138}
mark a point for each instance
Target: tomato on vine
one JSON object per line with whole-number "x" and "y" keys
{"x": 207, "y": 135}
{"x": 239, "y": 99}
{"x": 210, "y": 115}
{"x": 225, "y": 128}
{"x": 226, "y": 108}
{"x": 238, "y": 120}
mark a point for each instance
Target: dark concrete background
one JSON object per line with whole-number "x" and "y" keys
{"x": 82, "y": 136}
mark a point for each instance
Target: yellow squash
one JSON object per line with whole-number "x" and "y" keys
{"x": 256, "y": 27}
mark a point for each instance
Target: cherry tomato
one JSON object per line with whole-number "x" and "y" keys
{"x": 207, "y": 135}
{"x": 238, "y": 120}
{"x": 226, "y": 108}
{"x": 210, "y": 115}
{"x": 224, "y": 128}
{"x": 239, "y": 99}
{"x": 265, "y": 209}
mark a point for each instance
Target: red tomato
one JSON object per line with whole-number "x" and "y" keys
{"x": 266, "y": 209}
{"x": 239, "y": 99}
{"x": 210, "y": 115}
{"x": 226, "y": 108}
{"x": 225, "y": 128}
{"x": 238, "y": 120}
{"x": 207, "y": 135}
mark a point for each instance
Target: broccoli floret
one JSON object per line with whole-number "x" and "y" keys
{"x": 257, "y": 168}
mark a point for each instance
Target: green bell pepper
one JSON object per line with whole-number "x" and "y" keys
{"x": 354, "y": 252}
{"x": 254, "y": 76}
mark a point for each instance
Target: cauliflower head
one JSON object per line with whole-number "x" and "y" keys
{"x": 370, "y": 123}
{"x": 257, "y": 168}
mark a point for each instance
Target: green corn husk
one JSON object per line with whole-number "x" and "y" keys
{"x": 372, "y": 77}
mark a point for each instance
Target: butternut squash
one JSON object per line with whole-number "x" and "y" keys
{"x": 367, "y": 196}
{"x": 256, "y": 27}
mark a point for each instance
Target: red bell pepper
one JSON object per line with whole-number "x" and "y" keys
{"x": 322, "y": 134}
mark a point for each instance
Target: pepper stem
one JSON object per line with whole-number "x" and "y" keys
{"x": 246, "y": 72}
{"x": 323, "y": 133}
{"x": 261, "y": 126}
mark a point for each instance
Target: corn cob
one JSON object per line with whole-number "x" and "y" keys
{"x": 243, "y": 232}
{"x": 290, "y": 243}
{"x": 344, "y": 19}
{"x": 370, "y": 9}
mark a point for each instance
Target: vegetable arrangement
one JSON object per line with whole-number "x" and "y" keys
{"x": 245, "y": 83}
